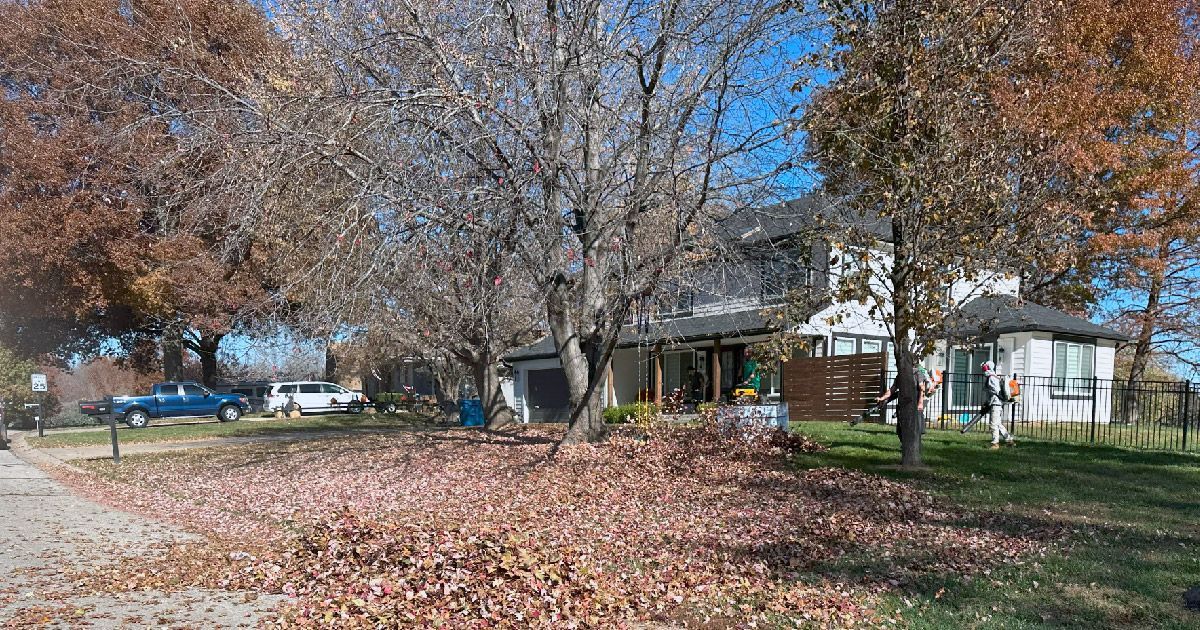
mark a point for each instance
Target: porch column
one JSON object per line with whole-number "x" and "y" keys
{"x": 658, "y": 373}
{"x": 714, "y": 372}
{"x": 612, "y": 390}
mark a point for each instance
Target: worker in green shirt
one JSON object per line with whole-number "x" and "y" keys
{"x": 750, "y": 376}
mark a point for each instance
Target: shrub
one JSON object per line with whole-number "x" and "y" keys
{"x": 624, "y": 414}
{"x": 71, "y": 418}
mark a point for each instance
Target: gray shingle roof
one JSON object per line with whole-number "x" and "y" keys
{"x": 722, "y": 325}
{"x": 1004, "y": 314}
{"x": 813, "y": 211}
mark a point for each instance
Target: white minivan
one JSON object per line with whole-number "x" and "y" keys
{"x": 314, "y": 397}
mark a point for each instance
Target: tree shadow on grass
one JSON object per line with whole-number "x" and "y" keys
{"x": 1128, "y": 528}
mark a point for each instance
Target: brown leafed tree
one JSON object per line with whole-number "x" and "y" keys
{"x": 1148, "y": 239}
{"x": 980, "y": 131}
{"x": 107, "y": 138}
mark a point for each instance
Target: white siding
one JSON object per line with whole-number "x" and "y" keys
{"x": 1020, "y": 351}
{"x": 506, "y": 388}
{"x": 732, "y": 305}
{"x": 850, "y": 317}
{"x": 1040, "y": 355}
{"x": 988, "y": 284}
{"x": 1106, "y": 357}
{"x": 1042, "y": 404}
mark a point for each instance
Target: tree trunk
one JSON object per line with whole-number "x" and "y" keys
{"x": 496, "y": 412}
{"x": 207, "y": 350}
{"x": 172, "y": 354}
{"x": 1142, "y": 349}
{"x": 330, "y": 363}
{"x": 908, "y": 421}
{"x": 445, "y": 386}
{"x": 582, "y": 370}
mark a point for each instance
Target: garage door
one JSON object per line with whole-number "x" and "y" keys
{"x": 548, "y": 401}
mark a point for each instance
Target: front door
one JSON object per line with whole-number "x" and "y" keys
{"x": 547, "y": 398}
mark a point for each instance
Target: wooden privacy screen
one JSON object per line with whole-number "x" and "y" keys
{"x": 832, "y": 388}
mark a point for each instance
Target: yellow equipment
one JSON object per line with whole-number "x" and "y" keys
{"x": 745, "y": 394}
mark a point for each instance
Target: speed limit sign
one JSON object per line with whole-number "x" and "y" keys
{"x": 39, "y": 382}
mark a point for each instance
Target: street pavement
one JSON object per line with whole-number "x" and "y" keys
{"x": 46, "y": 531}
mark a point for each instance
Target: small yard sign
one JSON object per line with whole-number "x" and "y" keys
{"x": 39, "y": 382}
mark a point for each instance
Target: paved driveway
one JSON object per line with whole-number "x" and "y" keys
{"x": 45, "y": 530}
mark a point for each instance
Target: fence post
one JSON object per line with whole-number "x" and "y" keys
{"x": 945, "y": 399}
{"x": 1095, "y": 404}
{"x": 1012, "y": 410}
{"x": 1187, "y": 412}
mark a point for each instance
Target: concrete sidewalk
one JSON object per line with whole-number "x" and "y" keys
{"x": 48, "y": 531}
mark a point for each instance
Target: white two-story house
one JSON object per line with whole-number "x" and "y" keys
{"x": 707, "y": 329}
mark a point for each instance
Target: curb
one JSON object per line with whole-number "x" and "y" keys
{"x": 32, "y": 456}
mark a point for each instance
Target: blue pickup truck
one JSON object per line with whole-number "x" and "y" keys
{"x": 179, "y": 400}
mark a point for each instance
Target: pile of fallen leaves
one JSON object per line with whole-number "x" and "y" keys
{"x": 463, "y": 528}
{"x": 359, "y": 572}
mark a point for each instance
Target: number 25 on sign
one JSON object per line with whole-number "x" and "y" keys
{"x": 39, "y": 382}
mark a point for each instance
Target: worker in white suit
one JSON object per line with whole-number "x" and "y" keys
{"x": 997, "y": 396}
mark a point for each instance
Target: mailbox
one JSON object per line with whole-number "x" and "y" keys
{"x": 95, "y": 407}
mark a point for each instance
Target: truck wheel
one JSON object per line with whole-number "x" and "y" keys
{"x": 229, "y": 413}
{"x": 137, "y": 419}
{"x": 389, "y": 407}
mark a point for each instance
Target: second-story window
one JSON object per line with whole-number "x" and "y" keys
{"x": 781, "y": 275}
{"x": 675, "y": 302}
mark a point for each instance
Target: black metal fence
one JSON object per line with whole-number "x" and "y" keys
{"x": 1161, "y": 415}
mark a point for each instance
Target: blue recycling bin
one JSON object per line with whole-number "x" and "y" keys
{"x": 470, "y": 412}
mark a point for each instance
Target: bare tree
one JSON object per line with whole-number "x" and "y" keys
{"x": 605, "y": 136}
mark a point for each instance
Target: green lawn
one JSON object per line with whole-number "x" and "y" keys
{"x": 1136, "y": 514}
{"x": 160, "y": 431}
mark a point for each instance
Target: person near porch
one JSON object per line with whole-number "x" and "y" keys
{"x": 697, "y": 385}
{"x": 750, "y": 376}
{"x": 995, "y": 405}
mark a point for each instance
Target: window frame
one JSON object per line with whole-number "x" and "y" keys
{"x": 836, "y": 339}
{"x": 1081, "y": 387}
{"x": 781, "y": 274}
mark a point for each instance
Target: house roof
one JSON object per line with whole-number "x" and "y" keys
{"x": 722, "y": 325}
{"x": 1006, "y": 314}
{"x": 813, "y": 211}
